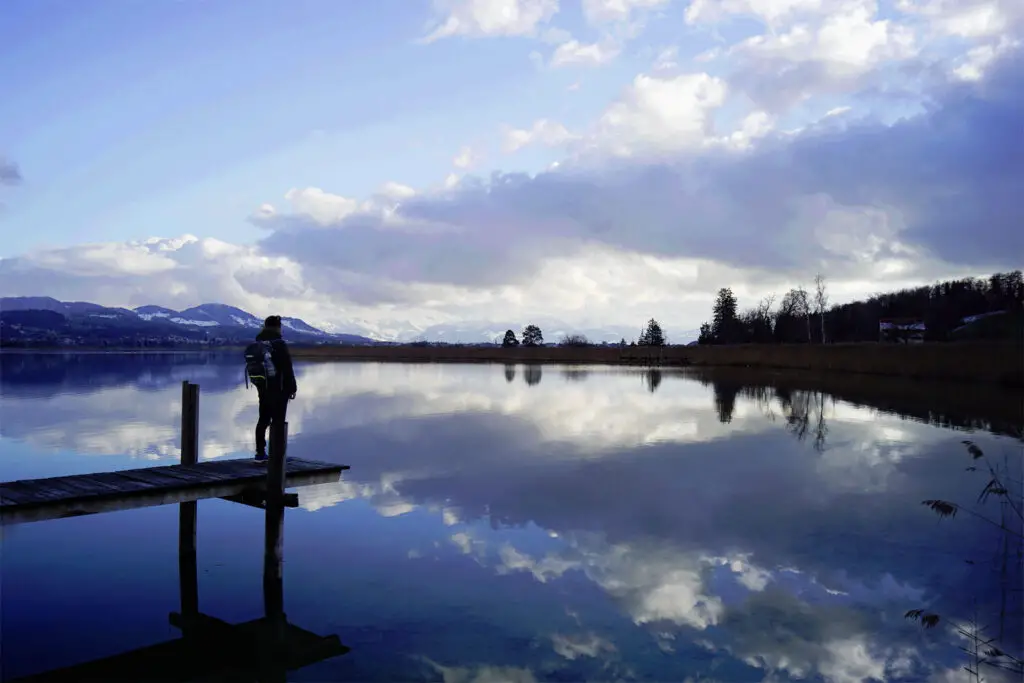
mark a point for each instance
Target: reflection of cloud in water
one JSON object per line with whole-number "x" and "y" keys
{"x": 484, "y": 674}
{"x": 606, "y": 411}
{"x": 693, "y": 528}
{"x": 581, "y": 645}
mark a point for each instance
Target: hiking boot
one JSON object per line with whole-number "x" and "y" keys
{"x": 261, "y": 456}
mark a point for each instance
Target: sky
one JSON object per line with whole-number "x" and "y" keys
{"x": 394, "y": 166}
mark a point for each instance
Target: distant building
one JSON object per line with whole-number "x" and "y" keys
{"x": 901, "y": 330}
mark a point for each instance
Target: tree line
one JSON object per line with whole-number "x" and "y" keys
{"x": 804, "y": 316}
{"x": 651, "y": 335}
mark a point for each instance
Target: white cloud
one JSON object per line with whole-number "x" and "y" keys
{"x": 466, "y": 158}
{"x": 605, "y": 11}
{"x": 769, "y": 11}
{"x": 827, "y": 54}
{"x": 659, "y": 115}
{"x": 543, "y": 132}
{"x": 678, "y": 185}
{"x": 482, "y": 18}
{"x": 967, "y": 18}
{"x": 574, "y": 53}
{"x": 667, "y": 59}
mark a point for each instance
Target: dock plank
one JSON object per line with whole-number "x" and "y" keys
{"x": 30, "y": 500}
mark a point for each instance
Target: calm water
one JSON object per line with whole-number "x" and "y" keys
{"x": 515, "y": 524}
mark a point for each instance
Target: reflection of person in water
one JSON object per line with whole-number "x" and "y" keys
{"x": 532, "y": 374}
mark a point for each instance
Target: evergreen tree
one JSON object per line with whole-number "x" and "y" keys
{"x": 510, "y": 339}
{"x": 723, "y": 321}
{"x": 652, "y": 334}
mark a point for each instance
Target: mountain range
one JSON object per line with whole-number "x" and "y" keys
{"x": 40, "y": 319}
{"x": 44, "y": 319}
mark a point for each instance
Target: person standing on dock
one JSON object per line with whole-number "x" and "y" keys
{"x": 268, "y": 366}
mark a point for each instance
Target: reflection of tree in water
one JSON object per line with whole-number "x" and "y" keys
{"x": 510, "y": 372}
{"x": 972, "y": 410}
{"x": 574, "y": 374}
{"x": 652, "y": 378}
{"x": 532, "y": 374}
{"x": 805, "y": 414}
{"x": 725, "y": 399}
{"x": 804, "y": 411}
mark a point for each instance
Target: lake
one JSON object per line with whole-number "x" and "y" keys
{"x": 524, "y": 523}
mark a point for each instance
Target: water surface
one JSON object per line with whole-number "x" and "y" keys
{"x": 518, "y": 523}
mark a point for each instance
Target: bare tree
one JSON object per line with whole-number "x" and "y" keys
{"x": 820, "y": 301}
{"x": 803, "y": 305}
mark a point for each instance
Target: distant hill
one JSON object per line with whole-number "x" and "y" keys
{"x": 34, "y": 321}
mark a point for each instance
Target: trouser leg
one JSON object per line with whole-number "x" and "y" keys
{"x": 265, "y": 418}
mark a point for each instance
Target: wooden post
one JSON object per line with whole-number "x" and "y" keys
{"x": 188, "y": 570}
{"x": 275, "y": 516}
{"x": 276, "y": 464}
{"x": 273, "y": 575}
{"x": 189, "y": 423}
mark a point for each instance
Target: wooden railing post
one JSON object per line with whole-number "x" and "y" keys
{"x": 189, "y": 423}
{"x": 187, "y": 568}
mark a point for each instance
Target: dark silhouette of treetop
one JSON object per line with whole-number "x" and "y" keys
{"x": 652, "y": 334}
{"x": 532, "y": 336}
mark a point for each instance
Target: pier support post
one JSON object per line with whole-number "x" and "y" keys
{"x": 273, "y": 576}
{"x": 188, "y": 570}
{"x": 189, "y": 423}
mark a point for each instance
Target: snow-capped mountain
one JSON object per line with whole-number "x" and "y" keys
{"x": 206, "y": 321}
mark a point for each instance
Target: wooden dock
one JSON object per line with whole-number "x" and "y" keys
{"x": 210, "y": 649}
{"x": 33, "y": 500}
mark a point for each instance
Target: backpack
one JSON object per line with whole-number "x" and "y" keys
{"x": 259, "y": 366}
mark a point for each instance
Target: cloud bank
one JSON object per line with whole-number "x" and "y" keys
{"x": 686, "y": 182}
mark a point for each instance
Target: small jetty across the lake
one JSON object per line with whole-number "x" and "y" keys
{"x": 243, "y": 481}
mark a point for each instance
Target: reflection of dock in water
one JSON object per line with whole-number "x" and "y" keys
{"x": 263, "y": 649}
{"x": 209, "y": 648}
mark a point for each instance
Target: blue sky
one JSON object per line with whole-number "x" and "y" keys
{"x": 151, "y": 117}
{"x": 309, "y": 156}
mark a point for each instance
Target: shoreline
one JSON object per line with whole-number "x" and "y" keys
{"x": 986, "y": 363}
{"x": 977, "y": 363}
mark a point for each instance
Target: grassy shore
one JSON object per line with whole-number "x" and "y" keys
{"x": 999, "y": 363}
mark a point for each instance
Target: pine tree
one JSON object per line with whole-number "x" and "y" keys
{"x": 723, "y": 322}
{"x": 652, "y": 334}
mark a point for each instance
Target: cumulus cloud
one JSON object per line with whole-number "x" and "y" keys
{"x": 481, "y": 18}
{"x": 573, "y": 52}
{"x": 657, "y": 196}
{"x": 466, "y": 158}
{"x": 850, "y": 198}
{"x": 543, "y": 131}
{"x": 604, "y": 11}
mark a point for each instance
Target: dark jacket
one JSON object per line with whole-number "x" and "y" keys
{"x": 282, "y": 361}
